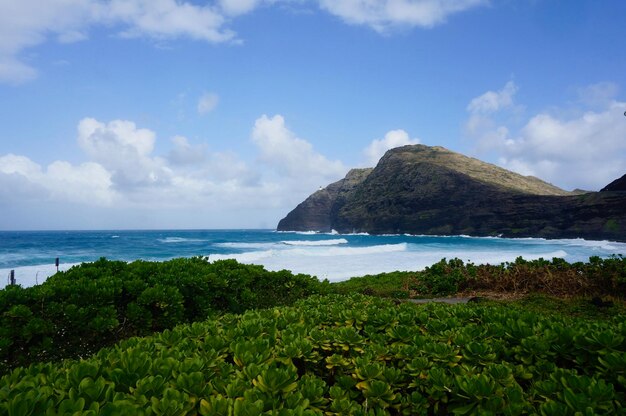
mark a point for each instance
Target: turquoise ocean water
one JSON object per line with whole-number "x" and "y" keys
{"x": 335, "y": 257}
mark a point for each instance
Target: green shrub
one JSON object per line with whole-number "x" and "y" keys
{"x": 339, "y": 355}
{"x": 557, "y": 277}
{"x": 75, "y": 313}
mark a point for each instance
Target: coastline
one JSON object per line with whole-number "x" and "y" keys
{"x": 331, "y": 256}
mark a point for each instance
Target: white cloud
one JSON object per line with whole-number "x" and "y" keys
{"x": 382, "y": 15}
{"x": 125, "y": 151}
{"x": 290, "y": 155}
{"x": 109, "y": 141}
{"x": 28, "y": 23}
{"x": 14, "y": 164}
{"x": 184, "y": 153}
{"x": 378, "y": 147}
{"x": 207, "y": 102}
{"x": 493, "y": 101}
{"x": 586, "y": 150}
{"x": 12, "y": 71}
{"x": 599, "y": 94}
{"x": 88, "y": 183}
{"x": 122, "y": 183}
{"x": 167, "y": 19}
{"x": 238, "y": 7}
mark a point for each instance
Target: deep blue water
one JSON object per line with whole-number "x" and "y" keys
{"x": 336, "y": 257}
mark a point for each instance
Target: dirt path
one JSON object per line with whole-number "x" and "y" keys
{"x": 452, "y": 301}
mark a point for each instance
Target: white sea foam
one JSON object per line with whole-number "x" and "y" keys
{"x": 243, "y": 246}
{"x": 603, "y": 245}
{"x": 257, "y": 257}
{"x": 334, "y": 263}
{"x": 170, "y": 240}
{"x": 332, "y": 242}
{"x": 594, "y": 245}
{"x": 298, "y": 232}
{"x": 27, "y": 276}
{"x": 340, "y": 263}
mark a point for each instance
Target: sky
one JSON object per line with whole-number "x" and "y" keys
{"x": 160, "y": 114}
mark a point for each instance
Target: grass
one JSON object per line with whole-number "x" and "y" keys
{"x": 578, "y": 307}
{"x": 386, "y": 285}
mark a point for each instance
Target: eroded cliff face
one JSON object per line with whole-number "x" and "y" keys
{"x": 430, "y": 190}
{"x": 316, "y": 212}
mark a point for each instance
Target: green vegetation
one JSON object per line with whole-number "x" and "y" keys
{"x": 577, "y": 307}
{"x": 75, "y": 313}
{"x": 598, "y": 277}
{"x": 343, "y": 355}
{"x": 386, "y": 285}
{"x": 612, "y": 225}
{"x": 221, "y": 343}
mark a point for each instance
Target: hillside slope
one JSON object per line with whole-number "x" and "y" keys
{"x": 617, "y": 185}
{"x": 430, "y": 190}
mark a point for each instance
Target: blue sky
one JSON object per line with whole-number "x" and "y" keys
{"x": 213, "y": 114}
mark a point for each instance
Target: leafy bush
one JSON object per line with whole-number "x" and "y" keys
{"x": 598, "y": 277}
{"x": 75, "y": 313}
{"x": 443, "y": 278}
{"x": 394, "y": 284}
{"x": 338, "y": 355}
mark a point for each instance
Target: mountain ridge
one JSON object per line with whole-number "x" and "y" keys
{"x": 475, "y": 168}
{"x": 419, "y": 189}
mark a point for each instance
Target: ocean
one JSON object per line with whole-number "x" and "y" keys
{"x": 328, "y": 256}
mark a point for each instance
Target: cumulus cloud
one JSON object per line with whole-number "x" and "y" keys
{"x": 198, "y": 162}
{"x": 207, "y": 102}
{"x": 381, "y": 15}
{"x": 87, "y": 183}
{"x": 290, "y": 155}
{"x": 125, "y": 151}
{"x": 581, "y": 149}
{"x": 378, "y": 147}
{"x": 185, "y": 153}
{"x": 483, "y": 122}
{"x": 493, "y": 101}
{"x": 123, "y": 180}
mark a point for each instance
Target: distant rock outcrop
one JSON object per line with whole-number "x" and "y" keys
{"x": 430, "y": 190}
{"x": 618, "y": 185}
{"x": 316, "y": 212}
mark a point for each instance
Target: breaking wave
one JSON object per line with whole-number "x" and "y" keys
{"x": 332, "y": 242}
{"x": 172, "y": 240}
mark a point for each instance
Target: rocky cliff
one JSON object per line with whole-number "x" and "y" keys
{"x": 430, "y": 190}
{"x": 618, "y": 185}
{"x": 317, "y": 211}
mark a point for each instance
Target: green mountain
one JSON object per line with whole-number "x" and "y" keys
{"x": 430, "y": 190}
